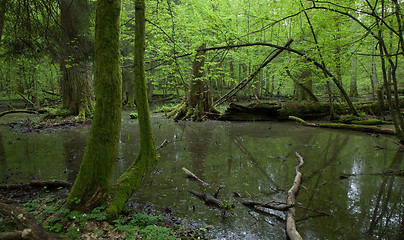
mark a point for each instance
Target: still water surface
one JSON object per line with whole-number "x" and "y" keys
{"x": 254, "y": 159}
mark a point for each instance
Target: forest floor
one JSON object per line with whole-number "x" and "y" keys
{"x": 137, "y": 221}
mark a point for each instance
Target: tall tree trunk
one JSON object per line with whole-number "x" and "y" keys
{"x": 145, "y": 162}
{"x": 197, "y": 96}
{"x": 94, "y": 179}
{"x": 197, "y": 101}
{"x": 75, "y": 64}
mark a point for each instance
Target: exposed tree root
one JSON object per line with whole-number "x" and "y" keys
{"x": 27, "y": 225}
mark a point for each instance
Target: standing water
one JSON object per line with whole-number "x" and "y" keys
{"x": 255, "y": 160}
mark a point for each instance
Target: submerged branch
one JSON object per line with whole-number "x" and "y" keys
{"x": 210, "y": 200}
{"x": 194, "y": 177}
{"x": 398, "y": 173}
{"x": 251, "y": 204}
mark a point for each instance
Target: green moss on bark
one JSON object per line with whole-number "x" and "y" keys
{"x": 93, "y": 181}
{"x": 128, "y": 183}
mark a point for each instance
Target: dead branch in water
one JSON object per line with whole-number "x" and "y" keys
{"x": 252, "y": 204}
{"x": 212, "y": 201}
{"x": 194, "y": 177}
{"x": 291, "y": 230}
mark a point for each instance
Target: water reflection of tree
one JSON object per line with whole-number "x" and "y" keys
{"x": 382, "y": 212}
{"x": 73, "y": 148}
{"x": 330, "y": 154}
{"x": 270, "y": 181}
{"x": 198, "y": 147}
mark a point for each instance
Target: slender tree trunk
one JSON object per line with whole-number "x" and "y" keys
{"x": 75, "y": 64}
{"x": 145, "y": 162}
{"x": 353, "y": 90}
{"x": 373, "y": 77}
{"x": 94, "y": 179}
{"x": 231, "y": 69}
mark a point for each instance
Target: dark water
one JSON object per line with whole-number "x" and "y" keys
{"x": 255, "y": 159}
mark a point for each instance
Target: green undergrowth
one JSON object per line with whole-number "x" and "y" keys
{"x": 77, "y": 225}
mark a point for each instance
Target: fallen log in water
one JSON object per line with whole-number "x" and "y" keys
{"x": 354, "y": 127}
{"x": 22, "y": 111}
{"x": 282, "y": 110}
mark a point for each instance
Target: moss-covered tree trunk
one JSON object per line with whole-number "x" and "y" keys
{"x": 94, "y": 179}
{"x": 145, "y": 162}
{"x": 75, "y": 52}
{"x": 198, "y": 94}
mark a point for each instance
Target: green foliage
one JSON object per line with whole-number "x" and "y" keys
{"x": 59, "y": 112}
{"x": 227, "y": 204}
{"x": 7, "y": 224}
{"x": 152, "y": 232}
{"x": 143, "y": 220}
{"x": 165, "y": 108}
{"x": 72, "y": 224}
{"x": 133, "y": 115}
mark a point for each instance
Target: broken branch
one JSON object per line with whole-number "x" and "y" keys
{"x": 194, "y": 177}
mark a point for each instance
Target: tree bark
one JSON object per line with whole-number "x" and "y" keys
{"x": 75, "y": 50}
{"x": 145, "y": 162}
{"x": 197, "y": 102}
{"x": 93, "y": 181}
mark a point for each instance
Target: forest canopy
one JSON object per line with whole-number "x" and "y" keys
{"x": 347, "y": 50}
